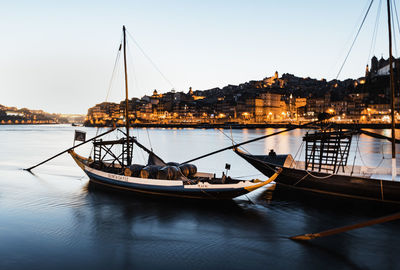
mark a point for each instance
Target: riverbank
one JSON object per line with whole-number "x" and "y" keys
{"x": 254, "y": 126}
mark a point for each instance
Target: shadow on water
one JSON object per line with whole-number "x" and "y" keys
{"x": 191, "y": 225}
{"x": 49, "y": 221}
{"x": 333, "y": 253}
{"x": 328, "y": 203}
{"x": 130, "y": 226}
{"x": 164, "y": 205}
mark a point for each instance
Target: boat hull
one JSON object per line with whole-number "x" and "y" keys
{"x": 171, "y": 191}
{"x": 329, "y": 184}
{"x": 172, "y": 188}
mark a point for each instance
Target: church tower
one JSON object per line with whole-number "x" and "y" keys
{"x": 374, "y": 65}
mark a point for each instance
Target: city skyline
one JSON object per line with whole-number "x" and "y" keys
{"x": 59, "y": 57}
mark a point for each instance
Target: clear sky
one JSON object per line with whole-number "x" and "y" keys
{"x": 59, "y": 55}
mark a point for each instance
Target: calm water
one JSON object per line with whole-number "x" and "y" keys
{"x": 55, "y": 220}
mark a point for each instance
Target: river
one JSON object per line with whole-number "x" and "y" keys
{"x": 54, "y": 219}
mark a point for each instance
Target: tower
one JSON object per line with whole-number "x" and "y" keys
{"x": 374, "y": 64}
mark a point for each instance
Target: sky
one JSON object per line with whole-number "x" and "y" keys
{"x": 59, "y": 55}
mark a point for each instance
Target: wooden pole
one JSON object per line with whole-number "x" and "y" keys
{"x": 309, "y": 236}
{"x": 392, "y": 95}
{"x": 126, "y": 102}
{"x": 75, "y": 146}
{"x": 250, "y": 141}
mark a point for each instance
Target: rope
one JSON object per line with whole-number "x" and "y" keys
{"x": 233, "y": 141}
{"x": 394, "y": 32}
{"x": 374, "y": 34}
{"x": 251, "y": 175}
{"x": 149, "y": 59}
{"x": 295, "y": 184}
{"x": 355, "y": 38}
{"x": 132, "y": 70}
{"x": 148, "y": 137}
{"x": 319, "y": 177}
{"x": 141, "y": 151}
{"x": 115, "y": 70}
{"x": 362, "y": 160}
{"x": 298, "y": 150}
{"x": 113, "y": 75}
{"x": 355, "y": 155}
{"x": 349, "y": 38}
{"x": 397, "y": 17}
{"x": 310, "y": 174}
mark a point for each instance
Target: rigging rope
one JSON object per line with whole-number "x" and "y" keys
{"x": 397, "y": 18}
{"x": 141, "y": 150}
{"x": 394, "y": 32}
{"x": 362, "y": 160}
{"x": 355, "y": 155}
{"x": 246, "y": 176}
{"x": 149, "y": 59}
{"x": 148, "y": 137}
{"x": 115, "y": 71}
{"x": 113, "y": 75}
{"x": 298, "y": 150}
{"x": 375, "y": 32}
{"x": 233, "y": 142}
{"x": 354, "y": 41}
{"x": 348, "y": 40}
{"x": 132, "y": 70}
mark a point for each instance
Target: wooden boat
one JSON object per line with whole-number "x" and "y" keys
{"x": 348, "y": 181}
{"x": 199, "y": 186}
{"x": 114, "y": 168}
{"x": 325, "y": 169}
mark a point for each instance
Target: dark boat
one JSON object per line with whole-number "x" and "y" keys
{"x": 113, "y": 168}
{"x": 325, "y": 169}
{"x": 343, "y": 181}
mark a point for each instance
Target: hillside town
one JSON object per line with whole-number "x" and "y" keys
{"x": 272, "y": 100}
{"x": 284, "y": 99}
{"x": 13, "y": 115}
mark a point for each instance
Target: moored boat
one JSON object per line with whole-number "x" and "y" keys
{"x": 114, "y": 168}
{"x": 198, "y": 186}
{"x": 357, "y": 185}
{"x": 325, "y": 169}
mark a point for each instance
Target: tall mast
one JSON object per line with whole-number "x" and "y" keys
{"x": 392, "y": 95}
{"x": 126, "y": 102}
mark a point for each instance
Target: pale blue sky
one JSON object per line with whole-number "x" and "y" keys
{"x": 59, "y": 55}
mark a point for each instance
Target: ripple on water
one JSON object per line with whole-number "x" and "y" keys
{"x": 54, "y": 219}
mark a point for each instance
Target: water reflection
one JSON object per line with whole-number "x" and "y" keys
{"x": 140, "y": 225}
{"x": 55, "y": 219}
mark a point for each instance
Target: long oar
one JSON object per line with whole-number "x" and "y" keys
{"x": 310, "y": 236}
{"x": 378, "y": 136}
{"x": 30, "y": 168}
{"x": 253, "y": 140}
